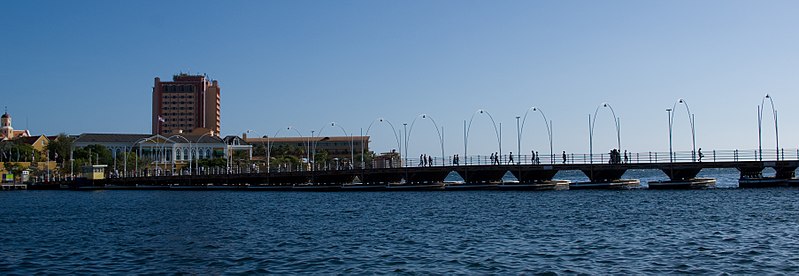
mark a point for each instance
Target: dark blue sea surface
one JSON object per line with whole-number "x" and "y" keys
{"x": 639, "y": 231}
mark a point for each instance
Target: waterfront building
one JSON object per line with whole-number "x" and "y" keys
{"x": 187, "y": 104}
{"x": 7, "y": 132}
{"x": 176, "y": 150}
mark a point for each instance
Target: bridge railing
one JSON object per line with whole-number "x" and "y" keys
{"x": 732, "y": 155}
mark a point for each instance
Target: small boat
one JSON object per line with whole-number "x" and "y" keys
{"x": 269, "y": 188}
{"x": 762, "y": 182}
{"x": 460, "y": 186}
{"x": 362, "y": 187}
{"x": 316, "y": 187}
{"x": 415, "y": 187}
{"x": 694, "y": 183}
{"x": 537, "y": 186}
{"x": 612, "y": 185}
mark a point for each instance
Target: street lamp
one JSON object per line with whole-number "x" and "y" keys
{"x": 192, "y": 151}
{"x": 333, "y": 124}
{"x": 270, "y": 143}
{"x": 671, "y": 151}
{"x": 518, "y": 141}
{"x": 440, "y": 135}
{"x": 396, "y": 137}
{"x": 591, "y": 129}
{"x": 469, "y": 127}
{"x": 548, "y": 124}
{"x": 136, "y": 156}
{"x": 405, "y": 129}
{"x": 760, "y": 125}
{"x": 173, "y": 150}
{"x": 691, "y": 120}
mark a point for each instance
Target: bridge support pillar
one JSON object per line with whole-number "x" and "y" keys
{"x": 601, "y": 175}
{"x": 750, "y": 172}
{"x": 681, "y": 174}
{"x": 785, "y": 172}
{"x": 526, "y": 176}
{"x": 482, "y": 175}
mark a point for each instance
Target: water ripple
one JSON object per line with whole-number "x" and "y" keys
{"x": 716, "y": 231}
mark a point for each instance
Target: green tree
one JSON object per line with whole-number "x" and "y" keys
{"x": 212, "y": 163}
{"x": 367, "y": 159}
{"x": 59, "y": 148}
{"x": 13, "y": 168}
{"x": 100, "y": 155}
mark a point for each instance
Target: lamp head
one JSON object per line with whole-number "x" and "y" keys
{"x": 424, "y": 116}
{"x": 535, "y": 108}
{"x": 332, "y": 123}
{"x": 668, "y": 109}
{"x": 681, "y": 101}
{"x": 767, "y": 96}
{"x": 604, "y": 104}
{"x": 481, "y": 111}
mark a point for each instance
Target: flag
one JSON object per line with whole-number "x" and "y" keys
{"x": 161, "y": 119}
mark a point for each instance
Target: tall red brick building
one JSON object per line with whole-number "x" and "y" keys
{"x": 188, "y": 103}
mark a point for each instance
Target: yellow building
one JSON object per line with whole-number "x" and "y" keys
{"x": 94, "y": 172}
{"x": 38, "y": 143}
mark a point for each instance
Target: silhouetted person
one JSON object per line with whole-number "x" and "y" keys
{"x": 421, "y": 160}
{"x": 564, "y": 157}
{"x": 537, "y": 160}
{"x": 510, "y": 158}
{"x": 625, "y": 157}
{"x": 701, "y": 155}
{"x": 429, "y": 161}
{"x": 532, "y": 157}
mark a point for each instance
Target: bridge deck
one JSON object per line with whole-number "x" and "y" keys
{"x": 597, "y": 172}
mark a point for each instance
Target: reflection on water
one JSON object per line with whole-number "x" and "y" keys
{"x": 736, "y": 231}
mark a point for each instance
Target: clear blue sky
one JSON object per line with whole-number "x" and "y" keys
{"x": 88, "y": 66}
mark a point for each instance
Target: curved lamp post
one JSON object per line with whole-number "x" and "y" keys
{"x": 173, "y": 151}
{"x": 136, "y": 161}
{"x": 760, "y": 125}
{"x": 591, "y": 129}
{"x": 396, "y": 137}
{"x": 549, "y": 131}
{"x": 191, "y": 152}
{"x": 269, "y": 145}
{"x": 333, "y": 124}
{"x": 469, "y": 127}
{"x": 440, "y": 135}
{"x": 162, "y": 152}
{"x": 691, "y": 119}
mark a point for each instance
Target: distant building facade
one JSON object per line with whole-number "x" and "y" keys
{"x": 387, "y": 160}
{"x": 341, "y": 147}
{"x": 187, "y": 104}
